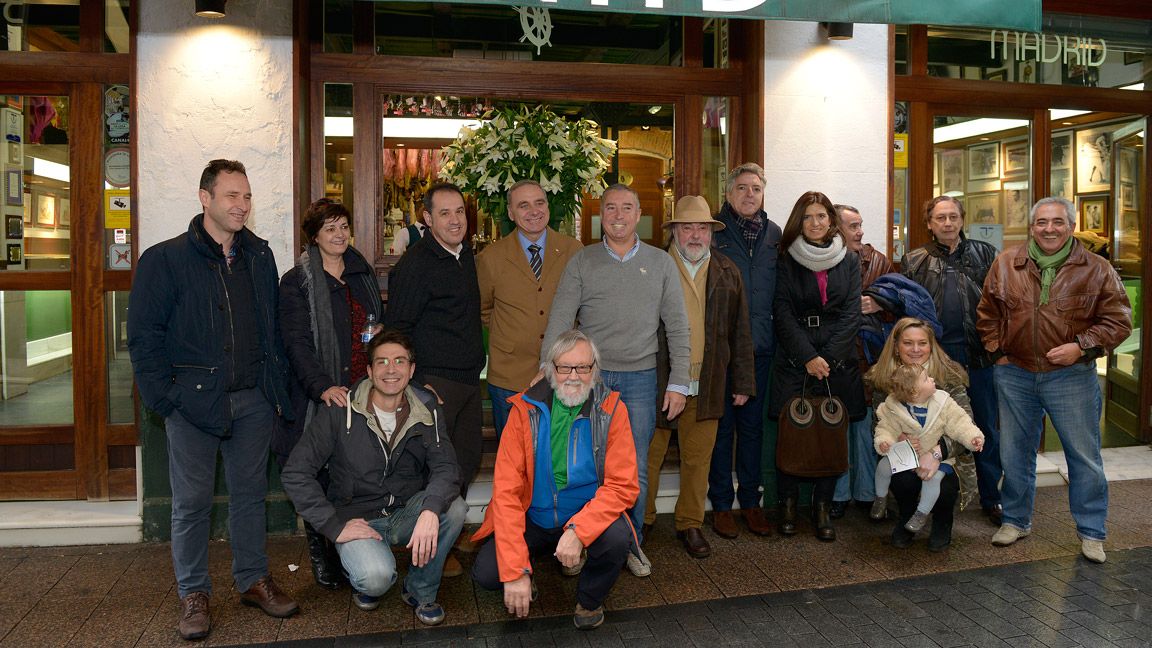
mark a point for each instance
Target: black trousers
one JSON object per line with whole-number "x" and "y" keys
{"x": 464, "y": 420}
{"x": 606, "y": 557}
{"x": 789, "y": 486}
{"x": 906, "y": 489}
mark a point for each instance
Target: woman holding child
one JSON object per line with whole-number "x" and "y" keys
{"x": 912, "y": 343}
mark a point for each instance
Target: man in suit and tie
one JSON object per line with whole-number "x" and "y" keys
{"x": 518, "y": 276}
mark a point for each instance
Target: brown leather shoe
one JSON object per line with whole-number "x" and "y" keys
{"x": 464, "y": 543}
{"x": 695, "y": 543}
{"x": 268, "y": 596}
{"x": 757, "y": 522}
{"x": 452, "y": 567}
{"x": 724, "y": 524}
{"x": 194, "y": 620}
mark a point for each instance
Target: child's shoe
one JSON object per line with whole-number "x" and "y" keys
{"x": 916, "y": 522}
{"x": 879, "y": 509}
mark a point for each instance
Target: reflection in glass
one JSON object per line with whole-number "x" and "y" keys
{"x": 119, "y": 365}
{"x": 116, "y": 26}
{"x": 41, "y": 26}
{"x": 715, "y": 149}
{"x": 37, "y": 185}
{"x": 36, "y": 376}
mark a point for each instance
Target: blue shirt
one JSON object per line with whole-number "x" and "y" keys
{"x": 627, "y": 255}
{"x": 524, "y": 243}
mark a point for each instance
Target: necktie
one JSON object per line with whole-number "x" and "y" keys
{"x": 535, "y": 261}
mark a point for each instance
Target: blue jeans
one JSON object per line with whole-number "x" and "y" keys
{"x": 192, "y": 475}
{"x": 500, "y": 407}
{"x": 742, "y": 427}
{"x": 861, "y": 475}
{"x": 371, "y": 566}
{"x": 1071, "y": 398}
{"x": 985, "y": 410}
{"x": 638, "y": 391}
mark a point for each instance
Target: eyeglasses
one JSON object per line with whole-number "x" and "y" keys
{"x": 399, "y": 362}
{"x": 564, "y": 370}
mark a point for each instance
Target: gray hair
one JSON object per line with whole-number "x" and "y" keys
{"x": 840, "y": 209}
{"x": 1069, "y": 209}
{"x": 620, "y": 186}
{"x": 747, "y": 167}
{"x": 565, "y": 343}
{"x": 523, "y": 183}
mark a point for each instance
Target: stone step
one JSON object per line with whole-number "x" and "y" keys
{"x": 71, "y": 522}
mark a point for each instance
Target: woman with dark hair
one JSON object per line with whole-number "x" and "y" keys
{"x": 325, "y": 302}
{"x": 914, "y": 342}
{"x": 817, "y": 316}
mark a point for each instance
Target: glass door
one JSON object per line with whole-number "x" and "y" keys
{"x": 1123, "y": 375}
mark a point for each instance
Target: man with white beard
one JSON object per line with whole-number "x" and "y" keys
{"x": 565, "y": 475}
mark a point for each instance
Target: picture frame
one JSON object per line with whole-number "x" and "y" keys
{"x": 1061, "y": 181}
{"x": 15, "y": 228}
{"x": 45, "y": 214}
{"x": 1062, "y": 153}
{"x": 64, "y": 212}
{"x": 15, "y": 253}
{"x": 1017, "y": 203}
{"x": 1016, "y": 159}
{"x": 1129, "y": 164}
{"x": 951, "y": 171}
{"x": 1092, "y": 213}
{"x": 1127, "y": 195}
{"x": 984, "y": 161}
{"x": 14, "y": 187}
{"x": 983, "y": 208}
{"x": 1093, "y": 160}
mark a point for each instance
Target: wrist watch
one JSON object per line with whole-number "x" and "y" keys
{"x": 936, "y": 455}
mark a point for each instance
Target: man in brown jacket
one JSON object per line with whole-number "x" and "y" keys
{"x": 721, "y": 354}
{"x": 518, "y": 275}
{"x": 1048, "y": 310}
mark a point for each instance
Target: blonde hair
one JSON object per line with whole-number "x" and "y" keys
{"x": 943, "y": 369}
{"x": 905, "y": 380}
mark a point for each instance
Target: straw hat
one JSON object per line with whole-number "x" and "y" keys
{"x": 693, "y": 209}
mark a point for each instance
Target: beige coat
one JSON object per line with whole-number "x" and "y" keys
{"x": 945, "y": 418}
{"x": 515, "y": 306}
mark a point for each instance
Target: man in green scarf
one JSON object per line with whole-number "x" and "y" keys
{"x": 1050, "y": 308}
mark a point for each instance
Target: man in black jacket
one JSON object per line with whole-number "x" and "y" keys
{"x": 207, "y": 357}
{"x": 952, "y": 269}
{"x": 393, "y": 480}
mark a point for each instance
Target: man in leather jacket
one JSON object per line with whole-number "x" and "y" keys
{"x": 952, "y": 269}
{"x": 1049, "y": 309}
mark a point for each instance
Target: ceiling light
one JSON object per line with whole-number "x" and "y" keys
{"x": 837, "y": 30}
{"x": 654, "y": 109}
{"x": 210, "y": 8}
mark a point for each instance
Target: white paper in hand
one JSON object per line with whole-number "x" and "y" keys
{"x": 903, "y": 457}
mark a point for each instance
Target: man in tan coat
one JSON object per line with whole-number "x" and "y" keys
{"x": 518, "y": 275}
{"x": 720, "y": 352}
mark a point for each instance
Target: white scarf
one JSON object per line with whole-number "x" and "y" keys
{"x": 817, "y": 258}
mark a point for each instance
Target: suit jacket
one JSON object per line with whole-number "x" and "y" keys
{"x": 515, "y": 306}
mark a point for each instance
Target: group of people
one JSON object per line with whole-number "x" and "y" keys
{"x": 596, "y": 356}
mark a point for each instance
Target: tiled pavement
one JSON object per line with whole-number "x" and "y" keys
{"x": 752, "y": 591}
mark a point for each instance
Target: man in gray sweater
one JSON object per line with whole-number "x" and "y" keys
{"x": 618, "y": 293}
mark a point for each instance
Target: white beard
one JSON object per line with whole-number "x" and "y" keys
{"x": 572, "y": 392}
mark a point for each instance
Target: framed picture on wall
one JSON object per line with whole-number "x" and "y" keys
{"x": 13, "y": 188}
{"x": 1062, "y": 150}
{"x": 1093, "y": 160}
{"x": 64, "y": 212}
{"x": 15, "y": 229}
{"x": 984, "y": 161}
{"x": 983, "y": 208}
{"x": 1017, "y": 203}
{"x": 1062, "y": 183}
{"x": 951, "y": 171}
{"x": 1016, "y": 157}
{"x": 1093, "y": 213}
{"x": 45, "y": 210}
{"x": 15, "y": 253}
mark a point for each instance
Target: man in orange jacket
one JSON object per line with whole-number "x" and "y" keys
{"x": 574, "y": 433}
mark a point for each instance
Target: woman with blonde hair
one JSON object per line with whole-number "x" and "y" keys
{"x": 913, "y": 341}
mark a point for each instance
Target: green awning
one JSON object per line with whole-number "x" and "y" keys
{"x": 1020, "y": 15}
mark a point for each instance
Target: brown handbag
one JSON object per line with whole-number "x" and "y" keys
{"x": 813, "y": 435}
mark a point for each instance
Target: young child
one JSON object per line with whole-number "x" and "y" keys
{"x": 918, "y": 410}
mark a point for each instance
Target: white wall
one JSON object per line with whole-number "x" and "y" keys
{"x": 826, "y": 121}
{"x": 209, "y": 89}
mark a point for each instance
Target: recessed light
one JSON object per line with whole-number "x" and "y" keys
{"x": 328, "y": 143}
{"x": 984, "y": 139}
{"x": 400, "y": 144}
{"x": 655, "y": 109}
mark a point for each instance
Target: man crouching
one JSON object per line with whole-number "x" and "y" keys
{"x": 574, "y": 433}
{"x": 393, "y": 481}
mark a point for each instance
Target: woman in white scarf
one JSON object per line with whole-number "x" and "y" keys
{"x": 817, "y": 317}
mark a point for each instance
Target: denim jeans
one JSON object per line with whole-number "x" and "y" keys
{"x": 638, "y": 391}
{"x": 192, "y": 475}
{"x": 1071, "y": 398}
{"x": 371, "y": 566}
{"x": 500, "y": 407}
{"x": 859, "y": 483}
{"x": 743, "y": 428}
{"x": 985, "y": 412}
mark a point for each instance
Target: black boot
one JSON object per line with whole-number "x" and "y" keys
{"x": 788, "y": 516}
{"x": 941, "y": 535}
{"x": 325, "y": 561}
{"x": 821, "y": 519}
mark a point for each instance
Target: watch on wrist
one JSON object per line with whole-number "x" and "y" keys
{"x": 936, "y": 455}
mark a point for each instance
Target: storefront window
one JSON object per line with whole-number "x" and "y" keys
{"x": 338, "y": 143}
{"x": 1085, "y": 54}
{"x": 37, "y": 206}
{"x": 716, "y": 146}
{"x": 338, "y": 21}
{"x": 716, "y": 51}
{"x": 116, "y": 38}
{"x": 44, "y": 26}
{"x": 900, "y": 62}
{"x": 121, "y": 408}
{"x": 36, "y": 382}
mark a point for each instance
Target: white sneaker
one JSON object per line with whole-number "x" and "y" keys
{"x": 639, "y": 565}
{"x": 1008, "y": 534}
{"x": 1093, "y": 550}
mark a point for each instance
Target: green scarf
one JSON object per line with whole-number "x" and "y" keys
{"x": 1048, "y": 264}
